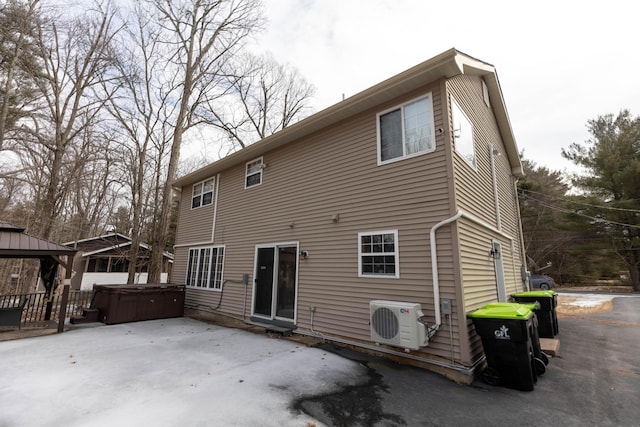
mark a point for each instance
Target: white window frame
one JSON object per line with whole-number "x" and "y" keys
{"x": 402, "y": 107}
{"x": 200, "y": 193}
{"x": 204, "y": 270}
{"x": 463, "y": 139}
{"x": 395, "y": 254}
{"x": 485, "y": 94}
{"x": 250, "y": 173}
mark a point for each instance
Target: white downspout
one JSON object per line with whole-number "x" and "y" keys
{"x": 215, "y": 209}
{"x": 434, "y": 270}
{"x": 496, "y": 196}
{"x": 434, "y": 259}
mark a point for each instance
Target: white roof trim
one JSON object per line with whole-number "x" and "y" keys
{"x": 97, "y": 251}
{"x": 104, "y": 236}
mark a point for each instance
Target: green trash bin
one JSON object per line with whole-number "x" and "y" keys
{"x": 535, "y": 337}
{"x": 547, "y": 315}
{"x": 507, "y": 335}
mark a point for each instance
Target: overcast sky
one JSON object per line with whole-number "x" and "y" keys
{"x": 560, "y": 63}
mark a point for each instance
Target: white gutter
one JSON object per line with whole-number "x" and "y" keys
{"x": 434, "y": 269}
{"x": 215, "y": 209}
{"x": 434, "y": 258}
{"x": 496, "y": 196}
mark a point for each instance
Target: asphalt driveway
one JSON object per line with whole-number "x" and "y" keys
{"x": 594, "y": 381}
{"x": 189, "y": 373}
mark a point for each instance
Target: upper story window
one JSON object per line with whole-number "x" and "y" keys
{"x": 202, "y": 194}
{"x": 406, "y": 130}
{"x": 463, "y": 134}
{"x": 253, "y": 175}
{"x": 378, "y": 254}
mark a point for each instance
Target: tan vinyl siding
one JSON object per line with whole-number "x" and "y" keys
{"x": 304, "y": 185}
{"x": 333, "y": 173}
{"x": 196, "y": 225}
{"x": 478, "y": 272}
{"x": 475, "y": 188}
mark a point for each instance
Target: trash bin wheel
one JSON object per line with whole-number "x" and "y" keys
{"x": 539, "y": 366}
{"x": 544, "y": 357}
{"x": 491, "y": 376}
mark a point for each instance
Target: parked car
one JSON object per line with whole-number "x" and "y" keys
{"x": 542, "y": 281}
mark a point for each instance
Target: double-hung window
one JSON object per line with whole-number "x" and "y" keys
{"x": 378, "y": 254}
{"x": 406, "y": 130}
{"x": 202, "y": 193}
{"x": 253, "y": 174}
{"x": 204, "y": 268}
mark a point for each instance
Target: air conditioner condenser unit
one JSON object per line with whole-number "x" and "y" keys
{"x": 398, "y": 324}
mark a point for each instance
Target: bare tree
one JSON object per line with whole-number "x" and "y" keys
{"x": 96, "y": 187}
{"x": 143, "y": 114}
{"x": 199, "y": 37}
{"x": 9, "y": 188}
{"x": 77, "y": 59}
{"x": 19, "y": 64}
{"x": 267, "y": 97}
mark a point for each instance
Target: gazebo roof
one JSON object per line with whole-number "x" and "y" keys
{"x": 14, "y": 243}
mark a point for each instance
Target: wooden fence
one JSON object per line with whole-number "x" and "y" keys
{"x": 38, "y": 308}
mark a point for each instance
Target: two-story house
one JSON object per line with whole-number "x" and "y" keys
{"x": 378, "y": 222}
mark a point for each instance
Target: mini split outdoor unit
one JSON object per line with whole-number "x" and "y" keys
{"x": 398, "y": 324}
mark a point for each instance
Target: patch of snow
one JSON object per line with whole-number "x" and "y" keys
{"x": 586, "y": 300}
{"x": 164, "y": 373}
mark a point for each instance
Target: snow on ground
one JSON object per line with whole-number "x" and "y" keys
{"x": 586, "y": 300}
{"x": 168, "y": 372}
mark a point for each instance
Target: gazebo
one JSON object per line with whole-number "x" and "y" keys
{"x": 14, "y": 243}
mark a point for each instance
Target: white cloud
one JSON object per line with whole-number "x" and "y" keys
{"x": 559, "y": 63}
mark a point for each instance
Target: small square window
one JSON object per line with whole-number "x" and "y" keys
{"x": 378, "y": 254}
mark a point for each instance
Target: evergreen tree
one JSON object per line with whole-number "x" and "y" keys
{"x": 611, "y": 159}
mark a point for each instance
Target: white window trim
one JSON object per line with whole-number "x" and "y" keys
{"x": 202, "y": 193}
{"x": 246, "y": 172}
{"x": 275, "y": 246}
{"x": 396, "y": 254}
{"x": 485, "y": 94}
{"x": 429, "y": 96}
{"x": 473, "y": 141}
{"x": 211, "y": 271}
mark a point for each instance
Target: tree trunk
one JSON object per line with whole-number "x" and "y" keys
{"x": 161, "y": 230}
{"x": 49, "y": 211}
{"x": 634, "y": 274}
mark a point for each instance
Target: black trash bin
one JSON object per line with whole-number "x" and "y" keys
{"x": 506, "y": 332}
{"x": 547, "y": 315}
{"x": 535, "y": 337}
